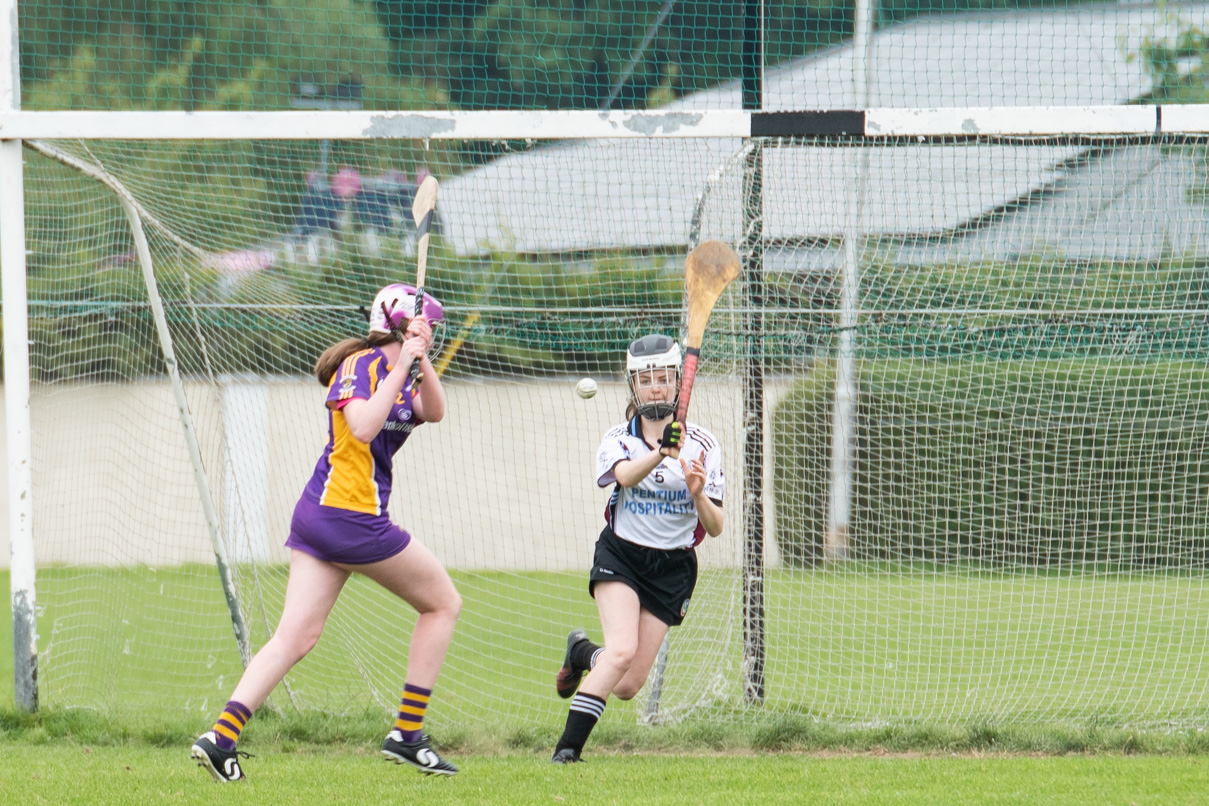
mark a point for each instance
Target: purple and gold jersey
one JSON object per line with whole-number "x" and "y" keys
{"x": 351, "y": 474}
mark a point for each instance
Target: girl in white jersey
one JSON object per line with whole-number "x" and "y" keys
{"x": 667, "y": 497}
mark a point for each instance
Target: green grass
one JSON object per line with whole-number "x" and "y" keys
{"x": 65, "y": 773}
{"x": 66, "y": 756}
{"x": 1021, "y": 648}
{"x": 905, "y": 648}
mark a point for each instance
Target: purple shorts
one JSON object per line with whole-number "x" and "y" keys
{"x": 343, "y": 536}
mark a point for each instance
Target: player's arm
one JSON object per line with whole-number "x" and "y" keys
{"x": 365, "y": 417}
{"x": 429, "y": 402}
{"x": 629, "y": 472}
{"x": 709, "y": 512}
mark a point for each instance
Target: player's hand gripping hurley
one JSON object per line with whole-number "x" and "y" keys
{"x": 421, "y": 211}
{"x": 708, "y": 271}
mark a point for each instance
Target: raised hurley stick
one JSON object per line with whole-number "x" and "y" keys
{"x": 421, "y": 211}
{"x": 710, "y": 268}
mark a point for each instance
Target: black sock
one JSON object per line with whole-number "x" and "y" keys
{"x": 585, "y": 712}
{"x": 582, "y": 652}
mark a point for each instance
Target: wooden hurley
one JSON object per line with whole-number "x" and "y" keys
{"x": 421, "y": 211}
{"x": 710, "y": 268}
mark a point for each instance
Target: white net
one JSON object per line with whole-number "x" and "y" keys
{"x": 1027, "y": 531}
{"x": 254, "y": 289}
{"x": 1026, "y": 540}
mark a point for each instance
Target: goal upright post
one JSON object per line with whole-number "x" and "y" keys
{"x": 17, "y": 427}
{"x": 16, "y": 383}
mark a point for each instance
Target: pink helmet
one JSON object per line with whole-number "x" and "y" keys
{"x": 396, "y": 304}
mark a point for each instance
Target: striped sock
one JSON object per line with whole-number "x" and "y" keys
{"x": 584, "y": 654}
{"x": 411, "y": 712}
{"x": 586, "y": 710}
{"x": 228, "y": 727}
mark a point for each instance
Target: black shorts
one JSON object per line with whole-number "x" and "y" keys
{"x": 663, "y": 580}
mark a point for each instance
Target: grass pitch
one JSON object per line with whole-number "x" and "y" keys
{"x": 129, "y": 744}
{"x": 67, "y": 773}
{"x": 874, "y": 647}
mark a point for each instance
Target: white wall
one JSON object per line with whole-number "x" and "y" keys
{"x": 505, "y": 482}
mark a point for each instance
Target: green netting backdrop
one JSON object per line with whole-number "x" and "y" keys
{"x": 573, "y": 54}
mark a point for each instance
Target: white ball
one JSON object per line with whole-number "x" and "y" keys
{"x": 586, "y": 388}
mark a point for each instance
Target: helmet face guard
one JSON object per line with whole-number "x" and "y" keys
{"x": 654, "y": 360}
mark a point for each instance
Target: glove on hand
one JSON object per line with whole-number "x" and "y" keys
{"x": 669, "y": 445}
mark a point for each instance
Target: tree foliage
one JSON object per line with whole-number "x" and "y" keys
{"x": 468, "y": 54}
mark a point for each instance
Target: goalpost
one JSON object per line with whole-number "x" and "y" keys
{"x": 1028, "y": 520}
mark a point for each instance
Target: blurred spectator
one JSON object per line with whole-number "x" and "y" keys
{"x": 400, "y": 190}
{"x": 317, "y": 216}
{"x": 372, "y": 214}
{"x": 371, "y": 208}
{"x": 346, "y": 183}
{"x": 384, "y": 205}
{"x": 317, "y": 211}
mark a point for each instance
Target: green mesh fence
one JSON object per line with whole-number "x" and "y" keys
{"x": 571, "y": 54}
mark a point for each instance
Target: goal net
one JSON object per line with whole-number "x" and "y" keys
{"x": 1005, "y": 521}
{"x": 279, "y": 266}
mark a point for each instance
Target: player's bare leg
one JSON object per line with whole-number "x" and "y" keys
{"x": 623, "y": 624}
{"x": 631, "y": 645}
{"x": 416, "y": 576}
{"x": 310, "y": 594}
{"x": 651, "y": 632}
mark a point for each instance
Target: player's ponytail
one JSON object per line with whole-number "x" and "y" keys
{"x": 334, "y": 356}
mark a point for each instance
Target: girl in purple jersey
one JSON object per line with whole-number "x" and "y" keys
{"x": 644, "y": 569}
{"x": 340, "y": 526}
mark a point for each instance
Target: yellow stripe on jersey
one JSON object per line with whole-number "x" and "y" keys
{"x": 346, "y": 369}
{"x": 350, "y": 482}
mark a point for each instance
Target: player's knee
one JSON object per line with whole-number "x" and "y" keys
{"x": 297, "y": 644}
{"x": 622, "y": 657}
{"x": 453, "y": 605}
{"x": 447, "y": 606}
{"x": 626, "y": 690}
{"x": 307, "y": 644}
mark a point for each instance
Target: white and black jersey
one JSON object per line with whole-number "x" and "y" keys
{"x": 658, "y": 512}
